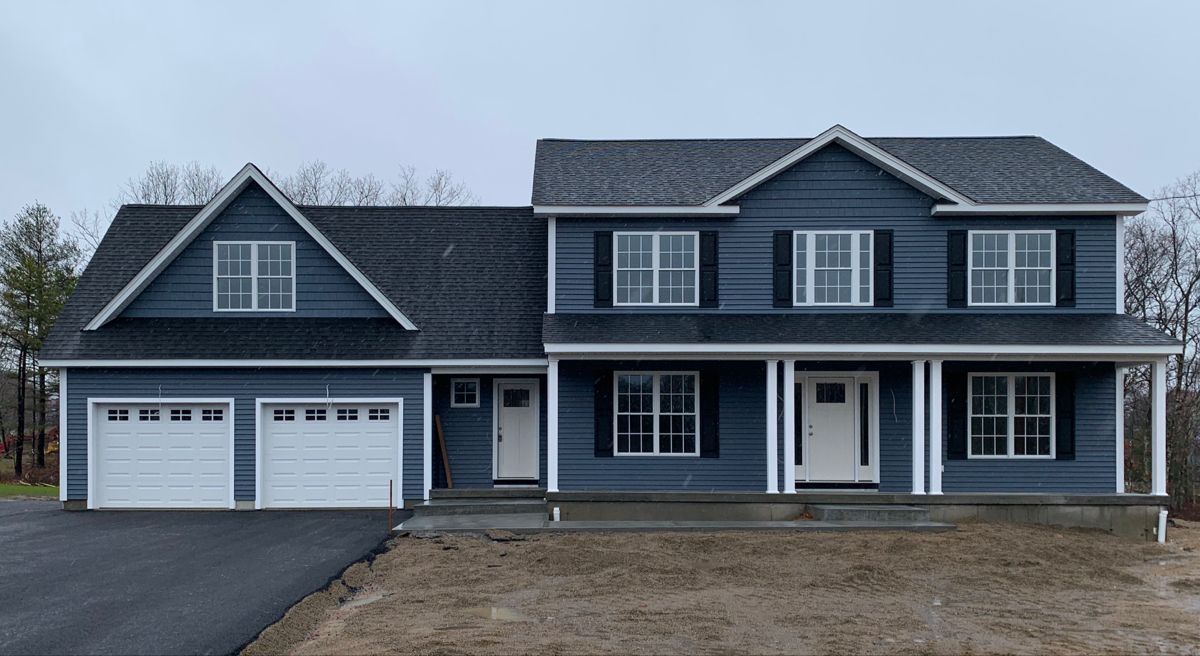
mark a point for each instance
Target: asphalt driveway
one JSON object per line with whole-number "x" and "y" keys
{"x": 163, "y": 582}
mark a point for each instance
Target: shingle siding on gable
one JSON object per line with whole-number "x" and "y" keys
{"x": 835, "y": 189}
{"x": 323, "y": 288}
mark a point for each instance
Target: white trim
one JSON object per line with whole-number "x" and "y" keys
{"x": 810, "y": 266}
{"x": 226, "y": 195}
{"x": 935, "y": 426}
{"x": 656, "y": 266}
{"x": 1120, "y": 209}
{"x": 1120, "y": 425}
{"x": 62, "y": 435}
{"x": 475, "y": 371}
{"x": 858, "y": 146}
{"x": 254, "y": 275}
{"x": 551, "y": 261}
{"x": 1158, "y": 427}
{"x": 532, "y": 383}
{"x": 552, "y": 426}
{"x": 987, "y": 350}
{"x": 634, "y": 210}
{"x": 656, "y": 393}
{"x": 918, "y": 427}
{"x": 1011, "y": 415}
{"x": 316, "y": 364}
{"x": 426, "y": 435}
{"x": 149, "y": 400}
{"x": 789, "y": 427}
{"x": 1120, "y": 300}
{"x": 772, "y": 427}
{"x": 259, "y": 402}
{"x": 478, "y": 393}
{"x": 1012, "y": 267}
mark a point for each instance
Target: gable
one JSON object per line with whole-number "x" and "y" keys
{"x": 835, "y": 176}
{"x": 185, "y": 287}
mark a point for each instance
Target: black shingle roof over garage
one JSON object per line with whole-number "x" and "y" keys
{"x": 672, "y": 172}
{"x": 473, "y": 280}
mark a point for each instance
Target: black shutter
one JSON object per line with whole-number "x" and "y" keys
{"x": 604, "y": 414}
{"x": 883, "y": 268}
{"x": 602, "y": 264}
{"x": 708, "y": 269}
{"x": 957, "y": 394}
{"x": 956, "y": 268}
{"x": 1064, "y": 416}
{"x": 783, "y": 268}
{"x": 710, "y": 414}
{"x": 1064, "y": 268}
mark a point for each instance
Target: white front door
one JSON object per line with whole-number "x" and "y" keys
{"x": 830, "y": 429}
{"x": 517, "y": 431}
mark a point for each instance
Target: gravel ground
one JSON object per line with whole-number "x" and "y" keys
{"x": 982, "y": 589}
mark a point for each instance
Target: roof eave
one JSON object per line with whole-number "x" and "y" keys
{"x": 1041, "y": 209}
{"x": 646, "y": 211}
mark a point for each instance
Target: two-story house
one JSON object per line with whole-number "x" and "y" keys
{"x": 934, "y": 318}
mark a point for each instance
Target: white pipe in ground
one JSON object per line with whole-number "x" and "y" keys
{"x": 557, "y": 514}
{"x": 1162, "y": 526}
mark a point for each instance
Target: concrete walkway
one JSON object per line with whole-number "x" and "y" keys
{"x": 538, "y": 523}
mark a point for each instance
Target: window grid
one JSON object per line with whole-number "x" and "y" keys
{"x": 659, "y": 268}
{"x": 1011, "y": 268}
{"x": 833, "y": 267}
{"x": 1011, "y": 416}
{"x": 116, "y": 414}
{"x": 347, "y": 414}
{"x": 285, "y": 414}
{"x": 148, "y": 414}
{"x": 254, "y": 276}
{"x": 314, "y": 414}
{"x": 656, "y": 413}
{"x": 378, "y": 414}
{"x": 212, "y": 414}
{"x": 464, "y": 393}
{"x": 181, "y": 414}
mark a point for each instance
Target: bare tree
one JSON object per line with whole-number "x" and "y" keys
{"x": 164, "y": 183}
{"x": 440, "y": 188}
{"x": 316, "y": 183}
{"x": 88, "y": 226}
{"x": 199, "y": 183}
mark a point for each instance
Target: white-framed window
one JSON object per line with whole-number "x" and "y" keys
{"x": 314, "y": 414}
{"x": 1011, "y": 267}
{"x": 284, "y": 414}
{"x": 464, "y": 392}
{"x": 378, "y": 414}
{"x": 347, "y": 414}
{"x": 656, "y": 268}
{"x": 833, "y": 267}
{"x": 656, "y": 413}
{"x": 212, "y": 414}
{"x": 1010, "y": 415}
{"x": 181, "y": 414}
{"x": 115, "y": 414}
{"x": 253, "y": 276}
{"x": 148, "y": 414}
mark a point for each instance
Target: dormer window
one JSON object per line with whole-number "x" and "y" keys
{"x": 251, "y": 276}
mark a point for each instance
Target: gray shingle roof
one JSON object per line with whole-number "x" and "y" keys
{"x": 691, "y": 171}
{"x": 853, "y": 328}
{"x": 470, "y": 278}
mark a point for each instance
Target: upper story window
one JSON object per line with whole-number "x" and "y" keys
{"x": 833, "y": 268}
{"x": 1011, "y": 268}
{"x": 655, "y": 268}
{"x": 254, "y": 276}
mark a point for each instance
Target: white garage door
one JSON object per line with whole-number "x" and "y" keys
{"x": 329, "y": 455}
{"x": 161, "y": 455}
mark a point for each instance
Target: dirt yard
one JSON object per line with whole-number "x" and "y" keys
{"x": 982, "y": 589}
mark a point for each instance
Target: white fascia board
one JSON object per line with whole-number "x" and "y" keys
{"x": 167, "y": 254}
{"x": 871, "y": 350}
{"x": 321, "y": 364}
{"x": 648, "y": 211}
{"x": 858, "y": 146}
{"x": 1041, "y": 209}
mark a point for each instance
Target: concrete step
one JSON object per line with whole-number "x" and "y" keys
{"x": 441, "y": 507}
{"x": 868, "y": 513}
{"x": 489, "y": 493}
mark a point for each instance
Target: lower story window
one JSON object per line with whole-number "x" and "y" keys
{"x": 657, "y": 413}
{"x": 1011, "y": 416}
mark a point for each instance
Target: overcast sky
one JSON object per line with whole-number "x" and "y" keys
{"x": 91, "y": 92}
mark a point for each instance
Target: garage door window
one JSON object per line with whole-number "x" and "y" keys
{"x": 314, "y": 414}
{"x": 212, "y": 414}
{"x": 118, "y": 415}
{"x": 181, "y": 414}
{"x": 379, "y": 414}
{"x": 148, "y": 414}
{"x": 285, "y": 415}
{"x": 347, "y": 414}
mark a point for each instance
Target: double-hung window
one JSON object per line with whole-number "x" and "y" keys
{"x": 1011, "y": 268}
{"x": 833, "y": 268}
{"x": 657, "y": 413}
{"x": 254, "y": 276}
{"x": 656, "y": 268}
{"x": 1011, "y": 416}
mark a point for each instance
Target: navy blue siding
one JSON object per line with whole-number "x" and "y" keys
{"x": 185, "y": 287}
{"x": 469, "y": 431}
{"x": 244, "y": 385}
{"x": 835, "y": 189}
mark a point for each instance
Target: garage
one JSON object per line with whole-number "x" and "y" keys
{"x": 329, "y": 453}
{"x": 159, "y": 454}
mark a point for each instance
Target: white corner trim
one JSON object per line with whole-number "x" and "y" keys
{"x": 316, "y": 364}
{"x": 1120, "y": 425}
{"x": 634, "y": 210}
{"x": 248, "y": 174}
{"x": 426, "y": 435}
{"x": 1120, "y": 300}
{"x": 858, "y": 146}
{"x": 1040, "y": 209}
{"x": 62, "y": 435}
{"x": 551, "y": 263}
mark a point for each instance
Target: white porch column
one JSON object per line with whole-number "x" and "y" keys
{"x": 918, "y": 427}
{"x": 552, "y": 426}
{"x": 772, "y": 428}
{"x": 62, "y": 435}
{"x": 789, "y": 426}
{"x": 426, "y": 436}
{"x": 1120, "y": 428}
{"x": 935, "y": 426}
{"x": 1158, "y": 427}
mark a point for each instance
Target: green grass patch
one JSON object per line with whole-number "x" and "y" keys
{"x": 10, "y": 490}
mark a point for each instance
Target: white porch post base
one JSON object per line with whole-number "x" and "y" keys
{"x": 935, "y": 426}
{"x": 918, "y": 427}
{"x": 552, "y": 426}
{"x": 789, "y": 426}
{"x": 1158, "y": 428}
{"x": 772, "y": 429}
